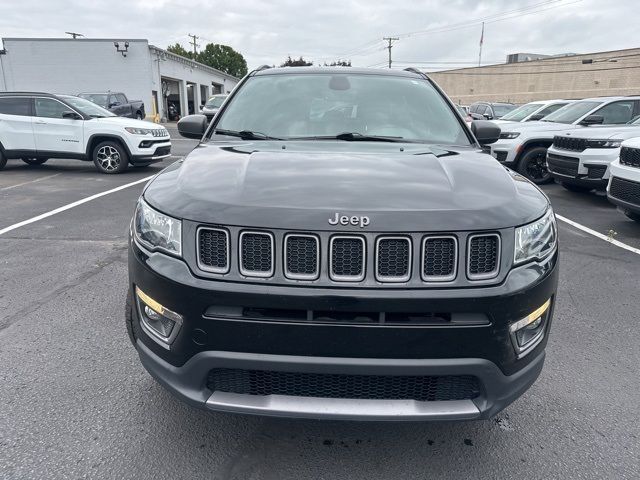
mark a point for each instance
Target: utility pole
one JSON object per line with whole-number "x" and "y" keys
{"x": 195, "y": 45}
{"x": 390, "y": 40}
{"x": 481, "y": 42}
{"x": 74, "y": 34}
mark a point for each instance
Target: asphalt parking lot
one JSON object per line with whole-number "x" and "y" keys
{"x": 76, "y": 403}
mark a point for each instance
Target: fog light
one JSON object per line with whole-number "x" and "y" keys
{"x": 156, "y": 320}
{"x": 528, "y": 332}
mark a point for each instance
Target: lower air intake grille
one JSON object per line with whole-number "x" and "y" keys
{"x": 393, "y": 259}
{"x": 301, "y": 257}
{"x": 484, "y": 253}
{"x": 597, "y": 171}
{"x": 625, "y": 190}
{"x": 347, "y": 258}
{"x": 563, "y": 165}
{"x": 501, "y": 156}
{"x": 213, "y": 250}
{"x": 439, "y": 255}
{"x": 256, "y": 254}
{"x": 323, "y": 385}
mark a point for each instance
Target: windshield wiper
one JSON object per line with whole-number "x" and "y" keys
{"x": 246, "y": 134}
{"x": 353, "y": 137}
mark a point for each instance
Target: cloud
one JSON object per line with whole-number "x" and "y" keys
{"x": 266, "y": 32}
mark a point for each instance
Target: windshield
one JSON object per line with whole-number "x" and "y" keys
{"x": 501, "y": 110}
{"x": 521, "y": 112}
{"x": 87, "y": 107}
{"x": 97, "y": 98}
{"x": 572, "y": 112}
{"x": 305, "y": 106}
{"x": 215, "y": 102}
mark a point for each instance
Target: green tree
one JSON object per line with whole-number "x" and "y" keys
{"x": 223, "y": 58}
{"x": 179, "y": 50}
{"x": 301, "y": 62}
{"x": 339, "y": 63}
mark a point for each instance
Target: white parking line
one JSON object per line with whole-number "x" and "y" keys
{"x": 72, "y": 205}
{"x": 30, "y": 181}
{"x": 599, "y": 235}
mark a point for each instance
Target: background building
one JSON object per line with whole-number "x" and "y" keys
{"x": 141, "y": 71}
{"x": 568, "y": 76}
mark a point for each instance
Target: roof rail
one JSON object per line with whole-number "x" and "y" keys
{"x": 415, "y": 70}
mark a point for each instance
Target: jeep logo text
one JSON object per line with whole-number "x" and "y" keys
{"x": 346, "y": 220}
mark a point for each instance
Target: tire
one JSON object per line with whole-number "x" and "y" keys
{"x": 533, "y": 165}
{"x": 633, "y": 215}
{"x": 138, "y": 116}
{"x": 110, "y": 157}
{"x": 3, "y": 160}
{"x": 576, "y": 188}
{"x": 34, "y": 161}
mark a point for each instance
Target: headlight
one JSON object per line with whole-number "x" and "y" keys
{"x": 139, "y": 131}
{"x": 157, "y": 231}
{"x": 536, "y": 240}
{"x": 604, "y": 143}
{"x": 509, "y": 135}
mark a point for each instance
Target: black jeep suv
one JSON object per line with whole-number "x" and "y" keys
{"x": 337, "y": 246}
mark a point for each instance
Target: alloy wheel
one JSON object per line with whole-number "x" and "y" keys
{"x": 108, "y": 158}
{"x": 536, "y": 168}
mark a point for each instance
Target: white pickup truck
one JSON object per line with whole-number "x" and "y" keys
{"x": 38, "y": 126}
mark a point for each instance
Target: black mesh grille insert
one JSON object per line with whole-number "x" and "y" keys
{"x": 393, "y": 258}
{"x": 347, "y": 257}
{"x": 630, "y": 157}
{"x": 563, "y": 165}
{"x": 483, "y": 255}
{"x": 213, "y": 247}
{"x": 324, "y": 385}
{"x": 625, "y": 190}
{"x": 257, "y": 253}
{"x": 597, "y": 171}
{"x": 570, "y": 143}
{"x": 501, "y": 156}
{"x": 301, "y": 256}
{"x": 439, "y": 258}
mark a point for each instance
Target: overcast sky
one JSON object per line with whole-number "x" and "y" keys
{"x": 326, "y": 30}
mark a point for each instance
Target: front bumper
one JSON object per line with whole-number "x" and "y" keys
{"x": 629, "y": 174}
{"x": 156, "y": 152}
{"x": 589, "y": 168}
{"x": 205, "y": 343}
{"x": 506, "y": 151}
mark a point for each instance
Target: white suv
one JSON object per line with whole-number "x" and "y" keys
{"x": 38, "y": 126}
{"x": 530, "y": 112}
{"x": 579, "y": 160}
{"x": 624, "y": 183}
{"x": 523, "y": 146}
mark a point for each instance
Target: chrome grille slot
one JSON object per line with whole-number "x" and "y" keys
{"x": 483, "y": 256}
{"x": 393, "y": 259}
{"x": 439, "y": 258}
{"x": 302, "y": 257}
{"x": 213, "y": 249}
{"x": 256, "y": 254}
{"x": 346, "y": 258}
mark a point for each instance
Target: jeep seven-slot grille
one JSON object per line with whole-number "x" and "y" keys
{"x": 630, "y": 157}
{"x": 423, "y": 388}
{"x": 347, "y": 258}
{"x": 332, "y": 258}
{"x": 483, "y": 256}
{"x": 570, "y": 143}
{"x": 439, "y": 256}
{"x": 393, "y": 259}
{"x": 625, "y": 190}
{"x": 302, "y": 254}
{"x": 256, "y": 254}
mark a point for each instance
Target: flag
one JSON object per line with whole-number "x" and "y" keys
{"x": 482, "y": 34}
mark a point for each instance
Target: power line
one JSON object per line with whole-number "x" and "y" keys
{"x": 195, "y": 45}
{"x": 390, "y": 45}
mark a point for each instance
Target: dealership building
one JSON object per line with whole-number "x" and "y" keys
{"x": 528, "y": 77}
{"x": 132, "y": 66}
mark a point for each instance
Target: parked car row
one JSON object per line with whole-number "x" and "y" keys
{"x": 37, "y": 126}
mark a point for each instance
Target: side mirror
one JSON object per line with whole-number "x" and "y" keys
{"x": 536, "y": 117}
{"x": 68, "y": 114}
{"x": 485, "y": 132}
{"x": 593, "y": 120}
{"x": 114, "y": 104}
{"x": 487, "y": 116}
{"x": 192, "y": 126}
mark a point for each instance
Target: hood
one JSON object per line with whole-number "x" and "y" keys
{"x": 127, "y": 122}
{"x": 301, "y": 185}
{"x": 605, "y": 132}
{"x": 540, "y": 126}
